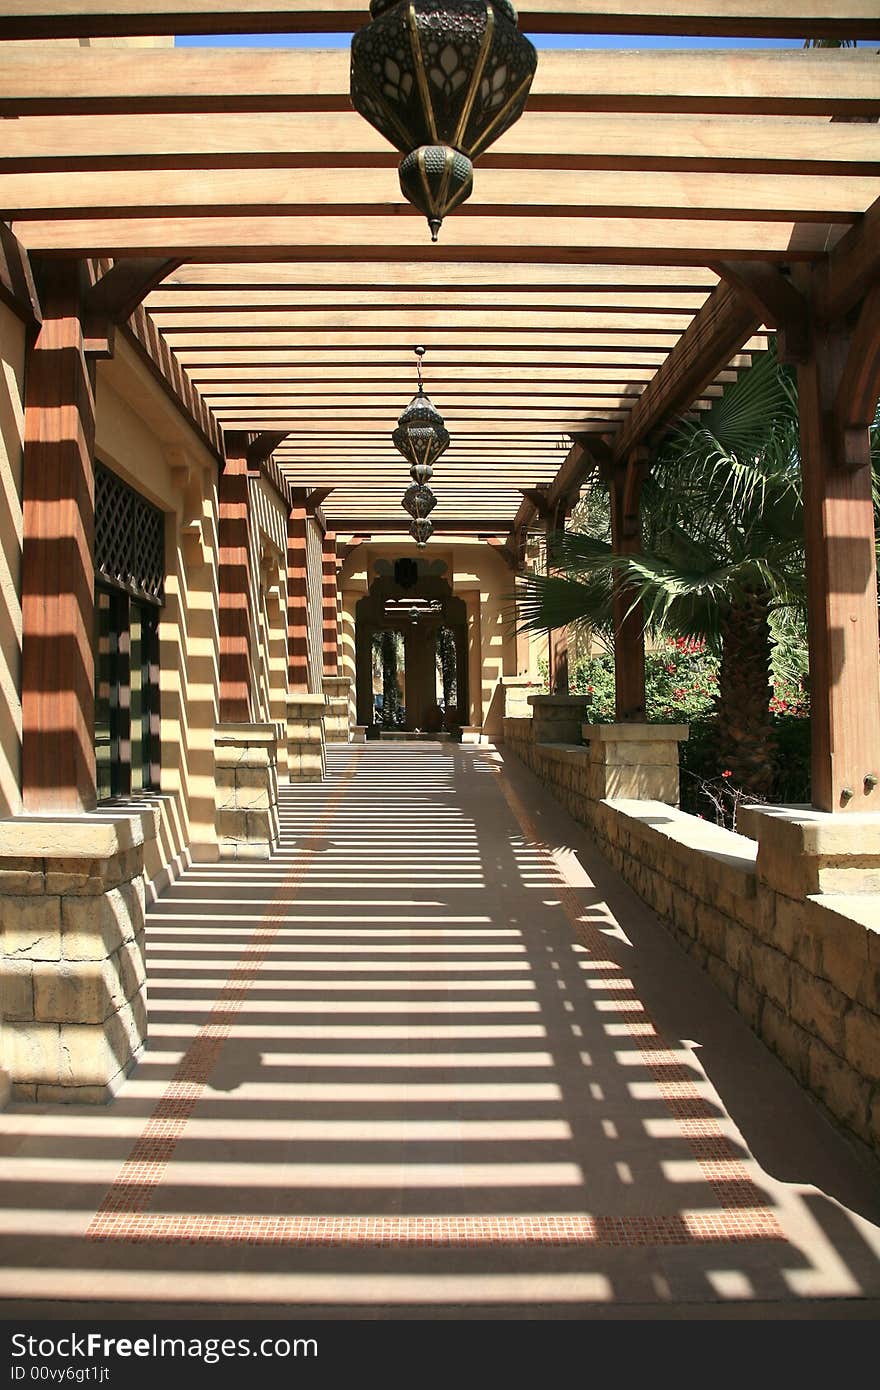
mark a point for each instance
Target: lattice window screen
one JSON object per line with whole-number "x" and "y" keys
{"x": 129, "y": 539}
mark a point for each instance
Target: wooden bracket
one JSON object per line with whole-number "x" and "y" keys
{"x": 858, "y": 390}
{"x": 781, "y": 306}
{"x": 119, "y": 291}
{"x": 17, "y": 288}
{"x": 189, "y": 480}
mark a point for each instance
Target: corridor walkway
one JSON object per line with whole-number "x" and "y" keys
{"x": 434, "y": 1058}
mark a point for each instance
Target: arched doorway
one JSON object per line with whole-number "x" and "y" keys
{"x": 422, "y": 684}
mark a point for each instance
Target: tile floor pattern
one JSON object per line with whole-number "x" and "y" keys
{"x": 433, "y": 1055}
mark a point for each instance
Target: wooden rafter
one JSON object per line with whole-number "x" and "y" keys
{"x": 771, "y": 19}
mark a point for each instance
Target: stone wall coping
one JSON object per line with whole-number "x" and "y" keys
{"x": 307, "y": 701}
{"x": 639, "y": 733}
{"x": 336, "y": 683}
{"x": 558, "y": 701}
{"x": 801, "y": 830}
{"x": 97, "y": 834}
{"x": 690, "y": 833}
{"x": 245, "y": 733}
{"x": 863, "y": 908}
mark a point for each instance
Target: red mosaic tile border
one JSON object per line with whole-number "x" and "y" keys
{"x": 688, "y": 1228}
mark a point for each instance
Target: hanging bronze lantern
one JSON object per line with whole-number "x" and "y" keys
{"x": 419, "y": 501}
{"x": 421, "y": 531}
{"x": 440, "y": 79}
{"x": 421, "y": 435}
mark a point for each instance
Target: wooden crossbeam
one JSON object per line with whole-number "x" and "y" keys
{"x": 470, "y": 235}
{"x": 718, "y": 331}
{"x": 36, "y": 19}
{"x": 73, "y": 81}
{"x": 230, "y": 141}
{"x": 560, "y": 192}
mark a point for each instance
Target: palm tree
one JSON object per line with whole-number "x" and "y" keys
{"x": 722, "y": 557}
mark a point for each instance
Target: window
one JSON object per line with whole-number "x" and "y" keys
{"x": 129, "y": 592}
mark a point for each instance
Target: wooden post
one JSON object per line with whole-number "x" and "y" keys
{"x": 329, "y": 605}
{"x": 841, "y": 582}
{"x": 297, "y": 599}
{"x": 624, "y": 487}
{"x": 557, "y": 639}
{"x": 58, "y": 582}
{"x": 234, "y": 583}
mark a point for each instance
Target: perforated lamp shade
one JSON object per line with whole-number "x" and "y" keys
{"x": 441, "y": 79}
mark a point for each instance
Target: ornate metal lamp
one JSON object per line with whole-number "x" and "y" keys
{"x": 421, "y": 437}
{"x": 440, "y": 79}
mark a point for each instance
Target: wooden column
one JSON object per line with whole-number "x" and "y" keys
{"x": 297, "y": 599}
{"x": 841, "y": 568}
{"x": 58, "y": 665}
{"x": 557, "y": 639}
{"x": 329, "y": 605}
{"x": 235, "y": 585}
{"x": 624, "y": 487}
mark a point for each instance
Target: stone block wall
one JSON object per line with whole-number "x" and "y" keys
{"x": 306, "y": 758}
{"x": 802, "y": 967}
{"x": 246, "y": 780}
{"x": 337, "y": 689}
{"x": 72, "y": 969}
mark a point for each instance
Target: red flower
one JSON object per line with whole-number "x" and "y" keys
{"x": 727, "y": 772}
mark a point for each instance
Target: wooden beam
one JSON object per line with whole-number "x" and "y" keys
{"x": 385, "y": 525}
{"x": 399, "y": 232}
{"x": 57, "y": 567}
{"x": 540, "y": 139}
{"x": 17, "y": 289}
{"x": 72, "y": 81}
{"x": 41, "y": 19}
{"x": 718, "y": 332}
{"x": 328, "y": 187}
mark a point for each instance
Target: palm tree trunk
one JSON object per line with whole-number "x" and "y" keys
{"x": 746, "y": 742}
{"x": 390, "y": 692}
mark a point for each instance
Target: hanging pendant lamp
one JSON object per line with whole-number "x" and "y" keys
{"x": 421, "y": 437}
{"x": 440, "y": 79}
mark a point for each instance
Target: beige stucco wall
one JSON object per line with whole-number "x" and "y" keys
{"x": 12, "y": 352}
{"x": 143, "y": 438}
{"x": 479, "y": 577}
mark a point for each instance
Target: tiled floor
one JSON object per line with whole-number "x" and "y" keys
{"x": 434, "y": 1058}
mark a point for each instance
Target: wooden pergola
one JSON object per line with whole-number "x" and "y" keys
{"x": 629, "y": 243}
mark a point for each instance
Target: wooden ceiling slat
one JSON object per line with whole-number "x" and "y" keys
{"x": 171, "y": 300}
{"x": 752, "y": 82}
{"x": 760, "y": 18}
{"x": 590, "y": 141}
{"x": 405, "y": 273}
{"x": 126, "y": 193}
{"x": 467, "y": 236}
